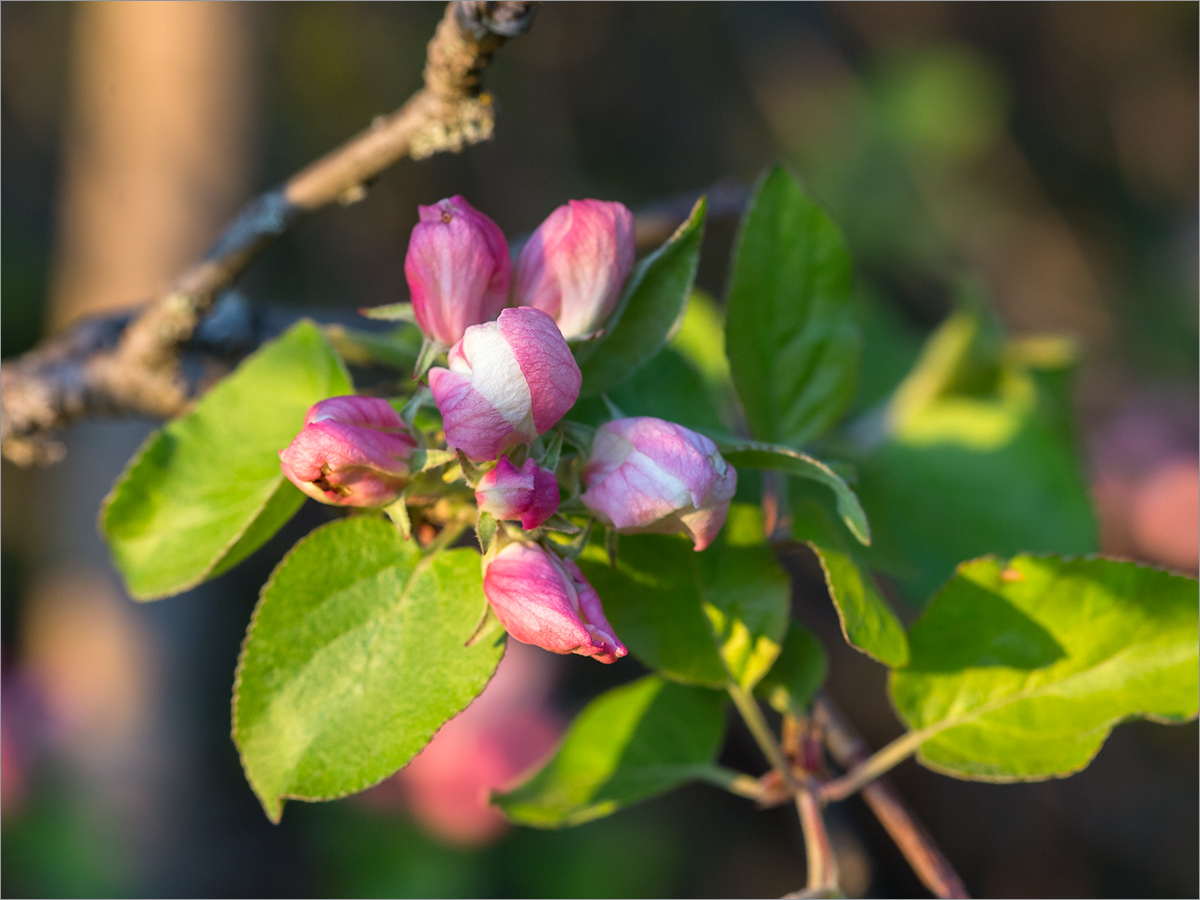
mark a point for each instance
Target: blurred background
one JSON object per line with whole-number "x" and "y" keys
{"x": 1050, "y": 149}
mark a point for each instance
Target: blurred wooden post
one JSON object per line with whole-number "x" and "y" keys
{"x": 155, "y": 151}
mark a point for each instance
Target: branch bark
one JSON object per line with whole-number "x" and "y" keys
{"x": 131, "y": 364}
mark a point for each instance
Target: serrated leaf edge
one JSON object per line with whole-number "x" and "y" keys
{"x": 426, "y": 560}
{"x": 929, "y": 732}
{"x": 140, "y": 454}
{"x": 837, "y": 606}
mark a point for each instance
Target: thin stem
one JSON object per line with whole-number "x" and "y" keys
{"x": 752, "y": 715}
{"x": 735, "y": 782}
{"x": 879, "y": 763}
{"x": 822, "y": 867}
{"x": 918, "y": 847}
{"x": 822, "y": 864}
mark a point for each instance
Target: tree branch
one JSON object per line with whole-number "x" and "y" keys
{"x": 130, "y": 364}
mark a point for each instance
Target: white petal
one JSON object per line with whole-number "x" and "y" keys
{"x": 497, "y": 376}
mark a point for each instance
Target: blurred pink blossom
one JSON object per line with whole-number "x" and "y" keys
{"x": 503, "y": 733}
{"x": 1146, "y": 481}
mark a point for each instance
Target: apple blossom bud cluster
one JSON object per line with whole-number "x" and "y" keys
{"x": 510, "y": 377}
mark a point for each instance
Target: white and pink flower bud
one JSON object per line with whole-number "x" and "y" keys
{"x": 647, "y": 475}
{"x": 508, "y": 381}
{"x": 457, "y": 268}
{"x": 529, "y": 493}
{"x": 352, "y": 451}
{"x": 543, "y": 600}
{"x": 576, "y": 263}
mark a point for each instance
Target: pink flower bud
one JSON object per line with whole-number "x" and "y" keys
{"x": 543, "y": 600}
{"x": 353, "y": 451}
{"x": 457, "y": 269}
{"x": 508, "y": 381}
{"x": 529, "y": 493}
{"x": 576, "y": 263}
{"x": 645, "y": 474}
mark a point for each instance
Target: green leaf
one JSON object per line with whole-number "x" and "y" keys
{"x": 797, "y": 675}
{"x": 975, "y": 455}
{"x": 790, "y": 333}
{"x": 354, "y": 659}
{"x": 485, "y": 530}
{"x": 548, "y": 449}
{"x": 397, "y": 511}
{"x": 390, "y": 312}
{"x": 577, "y": 434}
{"x": 560, "y": 524}
{"x": 424, "y": 460}
{"x": 701, "y": 340}
{"x": 428, "y": 355}
{"x": 700, "y": 618}
{"x": 628, "y": 745}
{"x": 867, "y": 621}
{"x": 653, "y": 302}
{"x": 206, "y": 491}
{"x": 1019, "y": 669}
{"x": 755, "y": 455}
{"x": 396, "y": 348}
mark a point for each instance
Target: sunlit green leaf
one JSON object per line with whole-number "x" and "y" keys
{"x": 701, "y": 341}
{"x": 1019, "y": 669}
{"x": 391, "y": 312}
{"x": 354, "y": 658}
{"x": 206, "y": 491}
{"x": 627, "y": 745}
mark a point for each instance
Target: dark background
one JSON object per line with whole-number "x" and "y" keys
{"x": 1051, "y": 149}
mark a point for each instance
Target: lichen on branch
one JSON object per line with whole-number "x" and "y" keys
{"x": 130, "y": 364}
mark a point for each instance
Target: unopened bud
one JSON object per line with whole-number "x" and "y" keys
{"x": 529, "y": 493}
{"x": 352, "y": 451}
{"x": 647, "y": 475}
{"x": 575, "y": 264}
{"x": 543, "y": 600}
{"x": 508, "y": 382}
{"x": 457, "y": 269}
